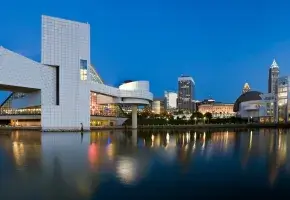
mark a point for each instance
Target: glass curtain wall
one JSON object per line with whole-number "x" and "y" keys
{"x": 102, "y": 105}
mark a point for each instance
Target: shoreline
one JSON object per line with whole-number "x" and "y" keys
{"x": 150, "y": 127}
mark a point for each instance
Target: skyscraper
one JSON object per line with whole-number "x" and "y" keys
{"x": 273, "y": 86}
{"x": 273, "y": 78}
{"x": 185, "y": 96}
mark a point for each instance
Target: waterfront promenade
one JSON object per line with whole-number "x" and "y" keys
{"x": 143, "y": 127}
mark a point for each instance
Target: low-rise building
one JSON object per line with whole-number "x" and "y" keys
{"x": 158, "y": 106}
{"x": 218, "y": 110}
{"x": 255, "y": 106}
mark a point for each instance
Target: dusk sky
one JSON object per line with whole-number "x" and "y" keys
{"x": 220, "y": 43}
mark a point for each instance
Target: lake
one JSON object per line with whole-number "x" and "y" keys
{"x": 153, "y": 165}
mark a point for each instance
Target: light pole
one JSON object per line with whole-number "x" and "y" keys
{"x": 204, "y": 120}
{"x": 195, "y": 120}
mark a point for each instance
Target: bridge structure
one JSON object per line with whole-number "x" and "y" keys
{"x": 65, "y": 88}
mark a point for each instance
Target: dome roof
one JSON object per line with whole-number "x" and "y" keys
{"x": 248, "y": 96}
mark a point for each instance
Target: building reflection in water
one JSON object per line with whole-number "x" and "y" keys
{"x": 126, "y": 169}
{"x": 129, "y": 156}
{"x": 269, "y": 144}
{"x": 25, "y": 147}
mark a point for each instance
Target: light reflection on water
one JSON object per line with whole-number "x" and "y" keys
{"x": 111, "y": 164}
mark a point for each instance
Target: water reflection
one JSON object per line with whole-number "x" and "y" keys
{"x": 74, "y": 166}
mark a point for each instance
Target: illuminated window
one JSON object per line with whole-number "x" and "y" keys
{"x": 83, "y": 69}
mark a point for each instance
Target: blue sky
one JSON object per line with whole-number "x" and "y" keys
{"x": 221, "y": 44}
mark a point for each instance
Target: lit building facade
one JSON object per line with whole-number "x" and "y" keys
{"x": 186, "y": 86}
{"x": 284, "y": 98}
{"x": 170, "y": 100}
{"x": 158, "y": 106}
{"x": 218, "y": 110}
{"x": 64, "y": 83}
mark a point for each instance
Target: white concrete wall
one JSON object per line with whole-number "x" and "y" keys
{"x": 123, "y": 92}
{"x": 19, "y": 71}
{"x": 255, "y": 108}
{"x": 135, "y": 85}
{"x": 64, "y": 43}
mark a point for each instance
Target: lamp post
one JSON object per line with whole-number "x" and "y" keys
{"x": 195, "y": 120}
{"x": 204, "y": 120}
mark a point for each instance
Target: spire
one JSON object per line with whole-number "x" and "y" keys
{"x": 246, "y": 88}
{"x": 274, "y": 64}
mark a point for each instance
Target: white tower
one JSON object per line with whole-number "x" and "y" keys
{"x": 66, "y": 44}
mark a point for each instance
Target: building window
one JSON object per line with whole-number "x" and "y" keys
{"x": 83, "y": 70}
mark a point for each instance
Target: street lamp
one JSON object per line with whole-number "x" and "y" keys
{"x": 195, "y": 120}
{"x": 204, "y": 120}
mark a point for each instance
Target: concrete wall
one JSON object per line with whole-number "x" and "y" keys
{"x": 18, "y": 73}
{"x": 64, "y": 43}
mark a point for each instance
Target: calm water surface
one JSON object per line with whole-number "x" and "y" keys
{"x": 155, "y": 165}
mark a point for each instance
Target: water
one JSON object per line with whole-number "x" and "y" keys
{"x": 155, "y": 165}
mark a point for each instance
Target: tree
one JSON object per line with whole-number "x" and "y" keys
{"x": 180, "y": 112}
{"x": 208, "y": 116}
{"x": 197, "y": 115}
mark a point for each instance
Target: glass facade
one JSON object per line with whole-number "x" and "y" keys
{"x": 95, "y": 76}
{"x": 22, "y": 111}
{"x": 83, "y": 70}
{"x": 283, "y": 98}
{"x": 102, "y": 105}
{"x": 5, "y": 108}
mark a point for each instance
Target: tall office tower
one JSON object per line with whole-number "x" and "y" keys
{"x": 273, "y": 78}
{"x": 170, "y": 100}
{"x": 246, "y": 88}
{"x": 185, "y": 96}
{"x": 66, "y": 44}
{"x": 273, "y": 86}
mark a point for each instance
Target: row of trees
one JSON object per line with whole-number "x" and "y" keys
{"x": 165, "y": 115}
{"x": 196, "y": 118}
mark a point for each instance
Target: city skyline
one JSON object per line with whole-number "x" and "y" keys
{"x": 169, "y": 37}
